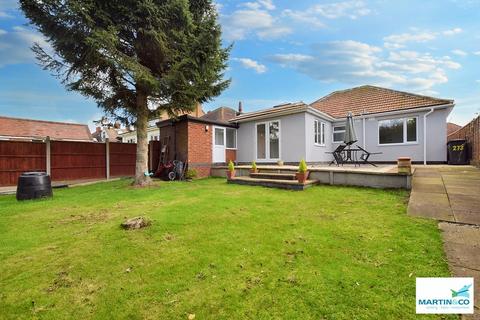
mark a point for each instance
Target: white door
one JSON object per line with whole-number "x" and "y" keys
{"x": 268, "y": 141}
{"x": 218, "y": 144}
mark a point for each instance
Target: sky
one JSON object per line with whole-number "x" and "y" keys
{"x": 288, "y": 51}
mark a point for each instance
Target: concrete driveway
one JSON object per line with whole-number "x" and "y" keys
{"x": 451, "y": 194}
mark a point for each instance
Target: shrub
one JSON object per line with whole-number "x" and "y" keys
{"x": 302, "y": 167}
{"x": 191, "y": 174}
{"x": 231, "y": 166}
{"x": 254, "y": 166}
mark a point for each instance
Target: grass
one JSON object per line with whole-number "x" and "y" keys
{"x": 215, "y": 250}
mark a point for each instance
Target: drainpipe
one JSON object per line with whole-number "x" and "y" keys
{"x": 425, "y": 136}
{"x": 363, "y": 127}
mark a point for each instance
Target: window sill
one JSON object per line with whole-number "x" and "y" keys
{"x": 397, "y": 144}
{"x": 319, "y": 145}
{"x": 231, "y": 148}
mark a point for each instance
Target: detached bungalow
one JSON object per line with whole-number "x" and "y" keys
{"x": 395, "y": 123}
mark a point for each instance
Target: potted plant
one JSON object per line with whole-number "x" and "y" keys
{"x": 253, "y": 169}
{"x": 231, "y": 170}
{"x": 280, "y": 162}
{"x": 302, "y": 173}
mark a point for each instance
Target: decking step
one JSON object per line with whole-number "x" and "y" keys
{"x": 273, "y": 183}
{"x": 273, "y": 176}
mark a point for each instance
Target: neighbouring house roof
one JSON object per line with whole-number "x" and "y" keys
{"x": 113, "y": 134}
{"x": 452, "y": 127}
{"x": 279, "y": 110}
{"x": 371, "y": 99}
{"x": 39, "y": 129}
{"x": 187, "y": 117}
{"x": 220, "y": 114}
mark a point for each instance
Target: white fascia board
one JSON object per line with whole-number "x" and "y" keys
{"x": 397, "y": 112}
{"x": 268, "y": 115}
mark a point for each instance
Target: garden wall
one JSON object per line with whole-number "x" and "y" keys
{"x": 70, "y": 160}
{"x": 471, "y": 133}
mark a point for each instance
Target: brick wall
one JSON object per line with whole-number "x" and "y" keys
{"x": 471, "y": 133}
{"x": 199, "y": 148}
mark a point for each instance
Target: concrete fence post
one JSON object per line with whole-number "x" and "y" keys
{"x": 48, "y": 156}
{"x": 107, "y": 158}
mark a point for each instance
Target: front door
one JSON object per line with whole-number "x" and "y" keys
{"x": 218, "y": 144}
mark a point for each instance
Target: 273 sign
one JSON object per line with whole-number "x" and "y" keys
{"x": 459, "y": 147}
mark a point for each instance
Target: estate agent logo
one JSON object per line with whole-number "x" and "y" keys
{"x": 445, "y": 295}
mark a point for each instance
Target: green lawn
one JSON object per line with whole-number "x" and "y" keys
{"x": 215, "y": 250}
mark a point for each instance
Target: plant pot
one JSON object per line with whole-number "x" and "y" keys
{"x": 280, "y": 162}
{"x": 230, "y": 174}
{"x": 253, "y": 170}
{"x": 302, "y": 177}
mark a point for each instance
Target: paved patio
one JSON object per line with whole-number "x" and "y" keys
{"x": 451, "y": 194}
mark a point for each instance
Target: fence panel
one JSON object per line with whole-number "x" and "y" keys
{"x": 17, "y": 157}
{"x": 77, "y": 160}
{"x": 122, "y": 159}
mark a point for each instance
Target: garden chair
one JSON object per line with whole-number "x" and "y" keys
{"x": 338, "y": 158}
{"x": 366, "y": 155}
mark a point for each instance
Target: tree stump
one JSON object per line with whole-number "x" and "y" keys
{"x": 135, "y": 223}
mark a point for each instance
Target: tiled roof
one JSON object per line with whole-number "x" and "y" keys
{"x": 37, "y": 129}
{"x": 452, "y": 127}
{"x": 223, "y": 114}
{"x": 371, "y": 99}
{"x": 287, "y": 107}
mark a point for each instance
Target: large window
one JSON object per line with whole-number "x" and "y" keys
{"x": 231, "y": 138}
{"x": 319, "y": 132}
{"x": 338, "y": 134}
{"x": 395, "y": 131}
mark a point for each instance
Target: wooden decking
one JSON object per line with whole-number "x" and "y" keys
{"x": 271, "y": 179}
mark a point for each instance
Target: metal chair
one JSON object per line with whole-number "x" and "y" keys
{"x": 366, "y": 155}
{"x": 338, "y": 158}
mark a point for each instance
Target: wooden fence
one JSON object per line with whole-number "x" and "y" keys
{"x": 471, "y": 133}
{"x": 70, "y": 160}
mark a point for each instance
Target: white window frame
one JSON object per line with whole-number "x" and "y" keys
{"x": 267, "y": 144}
{"x": 236, "y": 139}
{"x": 333, "y": 132}
{"x": 224, "y": 137}
{"x": 405, "y": 142}
{"x": 319, "y": 133}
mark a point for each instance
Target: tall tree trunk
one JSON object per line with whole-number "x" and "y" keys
{"x": 141, "y": 166}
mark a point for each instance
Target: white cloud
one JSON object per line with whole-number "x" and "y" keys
{"x": 357, "y": 63}
{"x": 477, "y": 81}
{"x": 459, "y": 52}
{"x": 253, "y": 18}
{"x": 452, "y": 32}
{"x": 5, "y": 6}
{"x": 15, "y": 45}
{"x": 252, "y": 64}
{"x": 314, "y": 14}
{"x": 346, "y": 9}
{"x": 477, "y": 53}
{"x": 397, "y": 41}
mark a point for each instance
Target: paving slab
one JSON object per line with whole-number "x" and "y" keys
{"x": 462, "y": 248}
{"x": 430, "y": 205}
